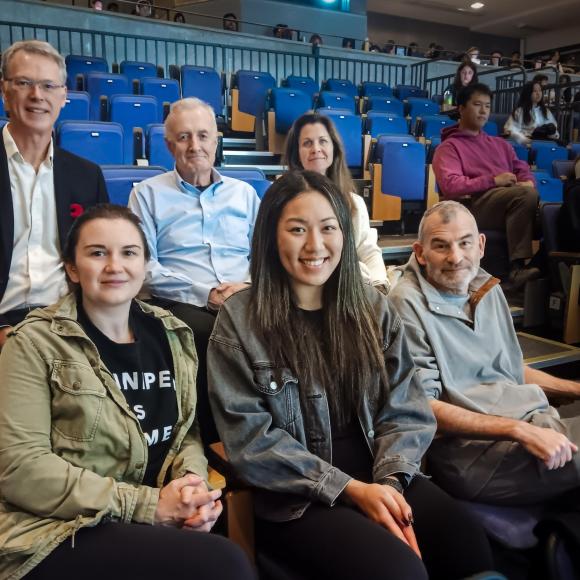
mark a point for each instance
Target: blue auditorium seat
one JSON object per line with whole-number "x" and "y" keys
{"x": 544, "y": 152}
{"x": 382, "y": 140}
{"x": 372, "y": 89}
{"x": 305, "y": 84}
{"x": 562, "y": 168}
{"x": 204, "y": 83}
{"x": 3, "y": 121}
{"x": 387, "y": 125}
{"x": 403, "y": 92}
{"x": 121, "y": 179}
{"x": 164, "y": 90}
{"x": 432, "y": 126}
{"x": 288, "y": 105}
{"x": 99, "y": 84}
{"x": 550, "y": 189}
{"x": 133, "y": 111}
{"x": 522, "y": 152}
{"x": 242, "y": 173}
{"x": 349, "y": 128}
{"x": 420, "y": 107}
{"x": 155, "y": 148}
{"x": 574, "y": 150}
{"x": 100, "y": 142}
{"x": 81, "y": 65}
{"x": 499, "y": 119}
{"x": 343, "y": 86}
{"x": 76, "y": 107}
{"x": 2, "y": 111}
{"x": 249, "y": 93}
{"x": 491, "y": 128}
{"x": 260, "y": 185}
{"x": 135, "y": 70}
{"x": 386, "y": 105}
{"x": 331, "y": 100}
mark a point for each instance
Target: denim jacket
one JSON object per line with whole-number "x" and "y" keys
{"x": 72, "y": 452}
{"x": 278, "y": 445}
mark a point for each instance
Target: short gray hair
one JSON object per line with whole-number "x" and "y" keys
{"x": 447, "y": 210}
{"x": 189, "y": 104}
{"x": 34, "y": 47}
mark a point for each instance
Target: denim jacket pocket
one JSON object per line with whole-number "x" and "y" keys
{"x": 281, "y": 395}
{"x": 77, "y": 400}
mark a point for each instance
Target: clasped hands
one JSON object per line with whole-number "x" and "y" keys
{"x": 186, "y": 502}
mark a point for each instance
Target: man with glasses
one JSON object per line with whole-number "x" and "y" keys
{"x": 42, "y": 188}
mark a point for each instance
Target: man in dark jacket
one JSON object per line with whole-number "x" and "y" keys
{"x": 42, "y": 188}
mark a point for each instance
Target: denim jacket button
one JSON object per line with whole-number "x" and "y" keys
{"x": 273, "y": 385}
{"x": 371, "y": 433}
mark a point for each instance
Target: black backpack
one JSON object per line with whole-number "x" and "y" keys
{"x": 569, "y": 218}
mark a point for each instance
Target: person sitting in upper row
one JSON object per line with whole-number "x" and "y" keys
{"x": 313, "y": 143}
{"x": 465, "y": 75}
{"x": 531, "y": 118}
{"x": 485, "y": 173}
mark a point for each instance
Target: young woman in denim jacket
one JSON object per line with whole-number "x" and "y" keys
{"x": 314, "y": 395}
{"x": 77, "y": 489}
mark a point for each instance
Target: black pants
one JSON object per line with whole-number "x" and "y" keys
{"x": 342, "y": 543}
{"x": 140, "y": 552}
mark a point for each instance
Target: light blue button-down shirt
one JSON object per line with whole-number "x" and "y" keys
{"x": 198, "y": 239}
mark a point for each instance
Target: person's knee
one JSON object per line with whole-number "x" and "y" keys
{"x": 231, "y": 561}
{"x": 526, "y": 195}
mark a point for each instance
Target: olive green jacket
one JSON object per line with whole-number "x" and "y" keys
{"x": 72, "y": 453}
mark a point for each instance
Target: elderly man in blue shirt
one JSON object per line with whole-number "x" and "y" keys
{"x": 199, "y": 227}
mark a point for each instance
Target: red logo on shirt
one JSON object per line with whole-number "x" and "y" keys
{"x": 76, "y": 209}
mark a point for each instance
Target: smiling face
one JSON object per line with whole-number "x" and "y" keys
{"x": 315, "y": 148}
{"x": 450, "y": 252}
{"x": 109, "y": 263}
{"x": 191, "y": 136}
{"x": 310, "y": 243}
{"x": 33, "y": 111}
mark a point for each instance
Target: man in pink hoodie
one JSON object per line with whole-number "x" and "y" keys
{"x": 485, "y": 173}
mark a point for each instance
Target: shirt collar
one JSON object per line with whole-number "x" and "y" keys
{"x": 13, "y": 151}
{"x": 216, "y": 181}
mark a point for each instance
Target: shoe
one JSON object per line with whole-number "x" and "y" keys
{"x": 519, "y": 277}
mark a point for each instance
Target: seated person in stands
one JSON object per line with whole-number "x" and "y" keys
{"x": 516, "y": 59}
{"x": 485, "y": 172}
{"x": 199, "y": 228}
{"x": 313, "y": 143}
{"x": 531, "y": 119}
{"x": 314, "y": 393}
{"x": 500, "y": 440}
{"x": 98, "y": 434}
{"x": 230, "y": 22}
{"x": 465, "y": 75}
{"x": 42, "y": 187}
{"x": 496, "y": 58}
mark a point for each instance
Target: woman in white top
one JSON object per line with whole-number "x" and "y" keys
{"x": 531, "y": 119}
{"x": 313, "y": 143}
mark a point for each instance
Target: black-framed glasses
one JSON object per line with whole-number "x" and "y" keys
{"x": 24, "y": 85}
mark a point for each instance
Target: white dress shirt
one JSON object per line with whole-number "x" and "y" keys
{"x": 36, "y": 276}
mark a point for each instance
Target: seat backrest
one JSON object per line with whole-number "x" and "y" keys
{"x": 76, "y": 107}
{"x": 99, "y": 84}
{"x": 403, "y": 92}
{"x": 133, "y": 111}
{"x": 305, "y": 84}
{"x": 544, "y": 153}
{"x": 288, "y": 105}
{"x": 253, "y": 87}
{"x": 419, "y": 107}
{"x": 164, "y": 90}
{"x": 242, "y": 173}
{"x": 383, "y": 139}
{"x": 331, "y": 100}
{"x": 343, "y": 86}
{"x": 100, "y": 142}
{"x": 204, "y": 83}
{"x": 491, "y": 128}
{"x": 574, "y": 150}
{"x": 403, "y": 172}
{"x": 521, "y": 151}
{"x": 372, "y": 89}
{"x": 387, "y": 126}
{"x": 2, "y": 111}
{"x": 499, "y": 119}
{"x": 549, "y": 217}
{"x": 385, "y": 105}
{"x": 349, "y": 128}
{"x": 155, "y": 148}
{"x": 550, "y": 189}
{"x": 260, "y": 185}
{"x": 135, "y": 70}
{"x": 432, "y": 126}
{"x": 3, "y": 121}
{"x": 562, "y": 168}
{"x": 121, "y": 179}
{"x": 81, "y": 65}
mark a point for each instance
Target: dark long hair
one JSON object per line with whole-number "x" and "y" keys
{"x": 338, "y": 171}
{"x": 345, "y": 352}
{"x": 457, "y": 86}
{"x": 525, "y": 103}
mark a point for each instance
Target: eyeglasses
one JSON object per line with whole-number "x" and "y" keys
{"x": 24, "y": 85}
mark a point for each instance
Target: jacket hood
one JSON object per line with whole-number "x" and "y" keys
{"x": 452, "y": 131}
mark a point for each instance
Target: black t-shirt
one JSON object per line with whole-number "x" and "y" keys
{"x": 143, "y": 371}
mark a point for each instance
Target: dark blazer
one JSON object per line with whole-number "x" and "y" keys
{"x": 78, "y": 184}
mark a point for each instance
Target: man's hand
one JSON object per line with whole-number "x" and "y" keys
{"x": 4, "y": 335}
{"x": 221, "y": 293}
{"x": 528, "y": 183}
{"x": 506, "y": 179}
{"x": 386, "y": 506}
{"x": 551, "y": 447}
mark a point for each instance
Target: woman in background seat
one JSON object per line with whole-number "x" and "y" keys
{"x": 101, "y": 466}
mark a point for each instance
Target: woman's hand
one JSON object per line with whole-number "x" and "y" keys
{"x": 386, "y": 506}
{"x": 181, "y": 500}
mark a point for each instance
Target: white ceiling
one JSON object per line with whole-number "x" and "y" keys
{"x": 514, "y": 18}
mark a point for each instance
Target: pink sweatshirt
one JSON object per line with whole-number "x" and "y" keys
{"x": 466, "y": 164}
